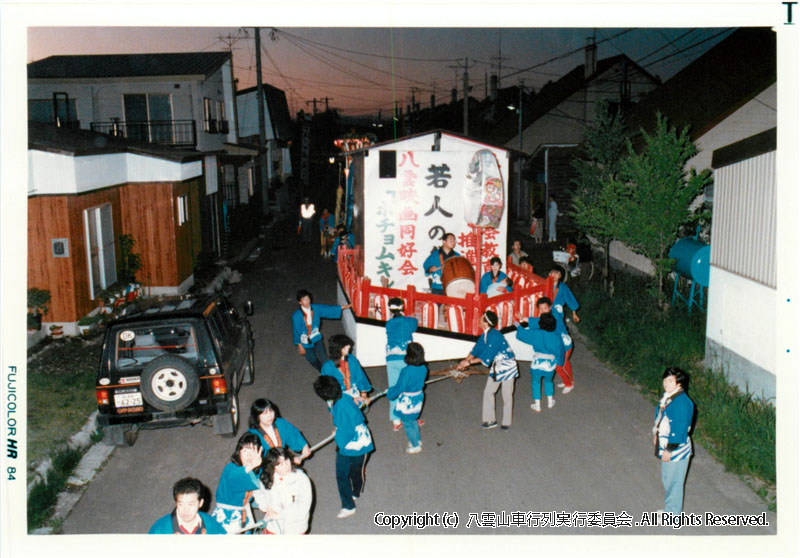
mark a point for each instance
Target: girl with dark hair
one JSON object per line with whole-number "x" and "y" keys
{"x": 353, "y": 442}
{"x": 409, "y": 395}
{"x": 493, "y": 351}
{"x": 285, "y": 496}
{"x": 346, "y": 369}
{"x": 236, "y": 485}
{"x": 274, "y": 431}
{"x": 548, "y": 352}
{"x": 673, "y": 446}
{"x": 399, "y": 333}
{"x": 494, "y": 282}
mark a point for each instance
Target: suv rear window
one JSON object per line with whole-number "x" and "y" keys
{"x": 136, "y": 346}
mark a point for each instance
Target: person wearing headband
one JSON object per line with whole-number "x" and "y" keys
{"x": 399, "y": 333}
{"x": 492, "y": 350}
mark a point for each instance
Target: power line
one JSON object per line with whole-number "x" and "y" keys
{"x": 698, "y": 43}
{"x": 569, "y": 53}
{"x": 364, "y": 53}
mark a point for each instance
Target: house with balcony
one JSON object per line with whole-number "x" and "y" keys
{"x": 182, "y": 100}
{"x": 278, "y": 133}
{"x": 85, "y": 191}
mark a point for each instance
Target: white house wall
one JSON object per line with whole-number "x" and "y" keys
{"x": 247, "y": 107}
{"x": 53, "y": 173}
{"x": 740, "y": 331}
{"x": 754, "y": 117}
{"x": 212, "y": 88}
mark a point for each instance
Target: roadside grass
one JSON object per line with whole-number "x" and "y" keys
{"x": 61, "y": 382}
{"x": 639, "y": 341}
{"x": 44, "y": 495}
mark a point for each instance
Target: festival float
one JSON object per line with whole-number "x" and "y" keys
{"x": 401, "y": 198}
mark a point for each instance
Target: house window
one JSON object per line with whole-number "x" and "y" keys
{"x": 148, "y": 117}
{"x": 209, "y": 118}
{"x": 183, "y": 209}
{"x": 41, "y": 110}
{"x": 99, "y": 231}
{"x": 222, "y": 122}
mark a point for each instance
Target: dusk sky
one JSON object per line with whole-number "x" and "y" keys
{"x": 362, "y": 70}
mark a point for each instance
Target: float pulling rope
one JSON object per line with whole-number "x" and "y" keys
{"x": 452, "y": 372}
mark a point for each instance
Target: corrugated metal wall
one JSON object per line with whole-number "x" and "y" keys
{"x": 745, "y": 213}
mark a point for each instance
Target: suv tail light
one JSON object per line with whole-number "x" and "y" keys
{"x": 219, "y": 386}
{"x": 102, "y": 397}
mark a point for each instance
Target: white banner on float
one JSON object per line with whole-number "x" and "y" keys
{"x": 406, "y": 217}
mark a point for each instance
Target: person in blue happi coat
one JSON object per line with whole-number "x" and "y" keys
{"x": 494, "y": 282}
{"x": 493, "y": 351}
{"x": 276, "y": 432}
{"x": 345, "y": 367}
{"x": 353, "y": 442}
{"x": 305, "y": 327}
{"x": 435, "y": 262}
{"x": 673, "y": 445}
{"x": 236, "y": 484}
{"x": 408, "y": 393}
{"x": 186, "y": 518}
{"x": 548, "y": 351}
{"x": 399, "y": 333}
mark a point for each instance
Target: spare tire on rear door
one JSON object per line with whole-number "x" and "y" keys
{"x": 169, "y": 383}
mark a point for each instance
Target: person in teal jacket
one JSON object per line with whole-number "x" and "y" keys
{"x": 399, "y": 333}
{"x": 409, "y": 395}
{"x": 276, "y": 432}
{"x": 346, "y": 369}
{"x": 186, "y": 518}
{"x": 673, "y": 445}
{"x": 495, "y": 282}
{"x": 548, "y": 349}
{"x": 236, "y": 484}
{"x": 353, "y": 442}
{"x": 306, "y": 322}
{"x": 435, "y": 262}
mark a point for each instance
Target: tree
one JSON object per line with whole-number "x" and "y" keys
{"x": 652, "y": 193}
{"x": 597, "y": 166}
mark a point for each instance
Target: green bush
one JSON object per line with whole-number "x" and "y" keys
{"x": 639, "y": 340}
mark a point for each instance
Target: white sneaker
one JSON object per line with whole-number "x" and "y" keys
{"x": 536, "y": 407}
{"x": 344, "y": 512}
{"x": 414, "y": 449}
{"x": 560, "y": 384}
{"x": 551, "y": 402}
{"x": 567, "y": 389}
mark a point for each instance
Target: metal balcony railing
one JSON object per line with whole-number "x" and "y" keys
{"x": 175, "y": 133}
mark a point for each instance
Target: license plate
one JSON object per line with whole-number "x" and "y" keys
{"x": 127, "y": 399}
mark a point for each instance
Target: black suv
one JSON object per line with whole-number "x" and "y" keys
{"x": 173, "y": 362}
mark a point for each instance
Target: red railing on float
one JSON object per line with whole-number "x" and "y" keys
{"x": 462, "y": 314}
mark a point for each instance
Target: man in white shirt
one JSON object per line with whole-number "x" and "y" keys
{"x": 307, "y": 211}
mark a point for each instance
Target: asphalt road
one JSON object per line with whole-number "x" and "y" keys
{"x": 587, "y": 463}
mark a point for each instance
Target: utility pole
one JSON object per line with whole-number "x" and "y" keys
{"x": 326, "y": 99}
{"x": 314, "y": 102}
{"x": 262, "y": 132}
{"x": 466, "y": 98}
{"x": 465, "y": 86}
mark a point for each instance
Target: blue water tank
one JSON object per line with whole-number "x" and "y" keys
{"x": 693, "y": 258}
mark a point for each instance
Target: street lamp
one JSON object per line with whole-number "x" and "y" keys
{"x": 519, "y": 138}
